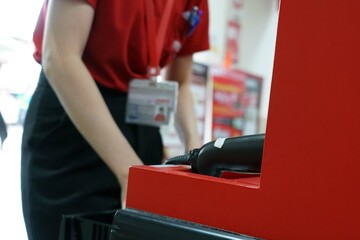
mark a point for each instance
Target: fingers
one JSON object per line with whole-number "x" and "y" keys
{"x": 123, "y": 195}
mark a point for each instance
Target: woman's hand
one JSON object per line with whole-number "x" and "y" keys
{"x": 180, "y": 70}
{"x": 193, "y": 143}
{"x": 123, "y": 184}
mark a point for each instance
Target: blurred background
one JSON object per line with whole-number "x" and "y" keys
{"x": 231, "y": 83}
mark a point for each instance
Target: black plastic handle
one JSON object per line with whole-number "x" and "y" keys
{"x": 236, "y": 154}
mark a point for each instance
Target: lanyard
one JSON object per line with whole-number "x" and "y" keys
{"x": 156, "y": 42}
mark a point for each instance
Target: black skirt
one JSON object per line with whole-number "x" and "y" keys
{"x": 61, "y": 173}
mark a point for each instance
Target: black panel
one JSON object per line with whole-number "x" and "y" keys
{"x": 130, "y": 224}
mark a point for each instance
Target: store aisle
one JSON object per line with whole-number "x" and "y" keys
{"x": 11, "y": 221}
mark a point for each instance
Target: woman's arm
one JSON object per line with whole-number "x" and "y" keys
{"x": 180, "y": 70}
{"x": 67, "y": 28}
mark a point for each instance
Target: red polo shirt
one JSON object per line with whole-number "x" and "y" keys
{"x": 116, "y": 50}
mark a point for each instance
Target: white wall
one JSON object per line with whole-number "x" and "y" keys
{"x": 258, "y": 44}
{"x": 18, "y": 17}
{"x": 257, "y": 41}
{"x": 218, "y": 21}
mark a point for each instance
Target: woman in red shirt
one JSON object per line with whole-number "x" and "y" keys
{"x": 77, "y": 147}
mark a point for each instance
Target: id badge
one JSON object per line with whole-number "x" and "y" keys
{"x": 151, "y": 102}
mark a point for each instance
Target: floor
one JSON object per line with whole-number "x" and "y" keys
{"x": 11, "y": 220}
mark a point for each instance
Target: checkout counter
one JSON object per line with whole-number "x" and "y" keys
{"x": 308, "y": 187}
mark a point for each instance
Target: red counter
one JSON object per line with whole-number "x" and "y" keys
{"x": 309, "y": 185}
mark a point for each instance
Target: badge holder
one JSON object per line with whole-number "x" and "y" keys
{"x": 153, "y": 101}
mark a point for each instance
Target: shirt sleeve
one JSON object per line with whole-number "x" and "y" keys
{"x": 38, "y": 33}
{"x": 199, "y": 39}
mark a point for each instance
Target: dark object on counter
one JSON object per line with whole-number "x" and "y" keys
{"x": 236, "y": 154}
